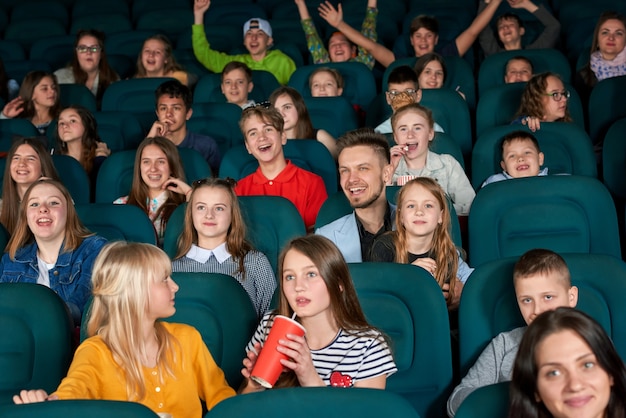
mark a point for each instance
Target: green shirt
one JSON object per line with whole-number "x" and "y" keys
{"x": 274, "y": 62}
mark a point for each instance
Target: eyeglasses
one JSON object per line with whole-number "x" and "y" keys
{"x": 260, "y": 105}
{"x": 557, "y": 95}
{"x": 395, "y": 93}
{"x": 83, "y": 49}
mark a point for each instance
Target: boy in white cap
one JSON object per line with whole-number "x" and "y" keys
{"x": 257, "y": 38}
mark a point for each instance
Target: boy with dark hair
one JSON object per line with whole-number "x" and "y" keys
{"x": 173, "y": 110}
{"x": 510, "y": 28}
{"x": 264, "y": 135}
{"x": 521, "y": 157}
{"x": 237, "y": 84}
{"x": 542, "y": 283}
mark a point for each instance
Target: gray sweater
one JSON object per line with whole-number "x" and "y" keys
{"x": 494, "y": 365}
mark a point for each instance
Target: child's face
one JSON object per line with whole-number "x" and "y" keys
{"x": 236, "y": 86}
{"x": 211, "y": 213}
{"x": 263, "y": 140}
{"x": 509, "y": 31}
{"x": 173, "y": 112}
{"x": 413, "y": 132}
{"x": 543, "y": 292}
{"x": 402, "y": 94}
{"x": 154, "y": 168}
{"x": 304, "y": 288}
{"x": 162, "y": 294}
{"x": 284, "y": 104}
{"x": 518, "y": 71}
{"x": 421, "y": 212}
{"x": 423, "y": 41}
{"x": 323, "y": 84}
{"x": 339, "y": 48}
{"x": 70, "y": 126}
{"x": 432, "y": 76}
{"x": 520, "y": 158}
{"x": 554, "y": 109}
{"x": 153, "y": 56}
{"x": 45, "y": 93}
{"x": 570, "y": 380}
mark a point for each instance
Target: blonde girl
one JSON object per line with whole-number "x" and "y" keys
{"x": 413, "y": 132}
{"x": 422, "y": 237}
{"x": 340, "y": 348}
{"x": 131, "y": 355}
{"x": 156, "y": 59}
{"x": 214, "y": 226}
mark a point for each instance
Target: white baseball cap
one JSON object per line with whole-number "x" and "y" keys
{"x": 257, "y": 23}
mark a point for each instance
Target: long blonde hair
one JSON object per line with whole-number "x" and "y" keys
{"x": 121, "y": 279}
{"x": 442, "y": 250}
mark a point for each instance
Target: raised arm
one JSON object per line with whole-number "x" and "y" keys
{"x": 465, "y": 40}
{"x": 334, "y": 17}
{"x": 552, "y": 27}
{"x": 313, "y": 41}
{"x": 487, "y": 38}
{"x": 199, "y": 8}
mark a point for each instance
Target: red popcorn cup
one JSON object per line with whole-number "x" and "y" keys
{"x": 402, "y": 180}
{"x": 267, "y": 368}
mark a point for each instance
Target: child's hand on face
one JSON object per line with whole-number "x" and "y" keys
{"x": 427, "y": 264}
{"x": 158, "y": 129}
{"x": 177, "y": 186}
{"x": 297, "y": 350}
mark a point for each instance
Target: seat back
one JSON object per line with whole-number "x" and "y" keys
{"x": 614, "y": 158}
{"x": 337, "y": 205}
{"x": 220, "y": 309}
{"x": 27, "y": 32}
{"x": 567, "y": 150}
{"x": 606, "y": 105}
{"x": 405, "y": 303}
{"x": 364, "y": 403}
{"x": 562, "y": 213}
{"x": 120, "y": 130}
{"x": 77, "y": 94}
{"x": 36, "y": 350}
{"x": 58, "y": 51}
{"x": 74, "y": 177}
{"x": 333, "y": 114}
{"x": 134, "y": 96}
{"x": 79, "y": 408}
{"x": 359, "y": 84}
{"x": 491, "y": 72}
{"x": 490, "y": 401}
{"x": 117, "y": 222}
{"x": 489, "y": 306}
{"x": 270, "y": 222}
{"x": 307, "y": 154}
{"x": 218, "y": 120}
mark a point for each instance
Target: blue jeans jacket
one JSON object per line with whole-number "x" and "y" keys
{"x": 70, "y": 278}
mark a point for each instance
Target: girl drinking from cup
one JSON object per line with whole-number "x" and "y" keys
{"x": 422, "y": 237}
{"x": 131, "y": 355}
{"x": 214, "y": 226}
{"x": 340, "y": 348}
{"x": 158, "y": 182}
{"x": 413, "y": 132}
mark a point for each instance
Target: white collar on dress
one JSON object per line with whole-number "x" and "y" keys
{"x": 202, "y": 255}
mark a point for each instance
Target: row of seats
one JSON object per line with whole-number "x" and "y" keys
{"x": 401, "y": 300}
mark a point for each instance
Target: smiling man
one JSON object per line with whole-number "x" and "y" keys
{"x": 173, "y": 110}
{"x": 264, "y": 135}
{"x": 364, "y": 171}
{"x": 257, "y": 38}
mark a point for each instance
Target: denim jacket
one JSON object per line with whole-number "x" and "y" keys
{"x": 70, "y": 278}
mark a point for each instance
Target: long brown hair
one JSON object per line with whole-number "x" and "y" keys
{"x": 75, "y": 231}
{"x": 304, "y": 126}
{"x": 170, "y": 62}
{"x": 236, "y": 243}
{"x": 31, "y": 80}
{"x": 332, "y": 267}
{"x": 442, "y": 250}
{"x": 89, "y": 139}
{"x": 107, "y": 74}
{"x": 139, "y": 194}
{"x": 532, "y": 97}
{"x": 10, "y": 194}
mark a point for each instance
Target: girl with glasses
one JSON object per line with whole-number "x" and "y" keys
{"x": 544, "y": 100}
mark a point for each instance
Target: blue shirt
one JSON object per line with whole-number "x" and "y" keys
{"x": 206, "y": 146}
{"x": 70, "y": 277}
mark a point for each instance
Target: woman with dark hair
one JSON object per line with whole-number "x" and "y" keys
{"x": 158, "y": 182}
{"x": 38, "y": 101}
{"x": 289, "y": 102}
{"x": 157, "y": 60}
{"x": 89, "y": 65}
{"x": 544, "y": 100}
{"x": 567, "y": 367}
{"x": 77, "y": 136}
{"x": 27, "y": 161}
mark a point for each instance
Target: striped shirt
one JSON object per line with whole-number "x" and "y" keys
{"x": 259, "y": 282}
{"x": 349, "y": 358}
